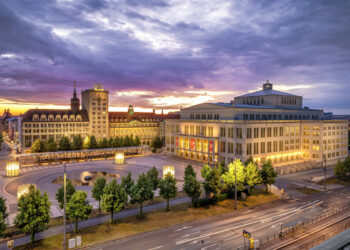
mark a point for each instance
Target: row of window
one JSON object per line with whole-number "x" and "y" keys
{"x": 205, "y": 117}
{"x": 279, "y": 117}
{"x": 199, "y": 130}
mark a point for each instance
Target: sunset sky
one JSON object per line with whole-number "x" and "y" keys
{"x": 173, "y": 54}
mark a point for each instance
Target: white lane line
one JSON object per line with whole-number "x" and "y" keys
{"x": 250, "y": 223}
{"x": 155, "y": 248}
{"x": 203, "y": 248}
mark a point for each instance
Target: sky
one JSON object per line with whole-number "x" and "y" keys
{"x": 175, "y": 53}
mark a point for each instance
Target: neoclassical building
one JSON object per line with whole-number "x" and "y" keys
{"x": 266, "y": 124}
{"x": 92, "y": 118}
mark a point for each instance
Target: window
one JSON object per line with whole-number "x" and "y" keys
{"x": 256, "y": 148}
{"x": 222, "y": 132}
{"x": 262, "y": 148}
{"x": 239, "y": 133}
{"x": 256, "y": 132}
{"x": 249, "y": 148}
{"x": 281, "y": 131}
{"x": 269, "y": 147}
{"x": 269, "y": 132}
{"x": 249, "y": 133}
{"x": 238, "y": 149}
{"x": 222, "y": 147}
{"x": 275, "y": 130}
{"x": 262, "y": 132}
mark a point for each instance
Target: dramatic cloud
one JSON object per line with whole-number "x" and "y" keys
{"x": 171, "y": 54}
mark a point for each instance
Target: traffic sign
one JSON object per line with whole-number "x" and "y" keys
{"x": 246, "y": 234}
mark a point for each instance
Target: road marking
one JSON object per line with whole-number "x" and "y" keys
{"x": 155, "y": 248}
{"x": 295, "y": 211}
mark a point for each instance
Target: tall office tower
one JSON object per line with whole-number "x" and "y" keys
{"x": 95, "y": 102}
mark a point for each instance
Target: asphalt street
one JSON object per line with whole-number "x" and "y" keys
{"x": 225, "y": 231}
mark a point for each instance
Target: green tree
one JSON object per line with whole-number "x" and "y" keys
{"x": 126, "y": 141}
{"x": 347, "y": 164}
{"x": 70, "y": 190}
{"x": 64, "y": 144}
{"x": 157, "y": 142}
{"x": 168, "y": 189}
{"x": 50, "y": 145}
{"x": 268, "y": 174}
{"x": 103, "y": 143}
{"x": 2, "y": 224}
{"x": 116, "y": 142}
{"x": 77, "y": 142}
{"x": 38, "y": 146}
{"x": 192, "y": 186}
{"x": 137, "y": 141}
{"x": 1, "y": 140}
{"x": 142, "y": 191}
{"x": 110, "y": 142}
{"x": 78, "y": 207}
{"x": 252, "y": 175}
{"x": 249, "y": 160}
{"x": 222, "y": 168}
{"x": 97, "y": 190}
{"x": 235, "y": 168}
{"x": 340, "y": 170}
{"x": 189, "y": 171}
{"x": 114, "y": 198}
{"x": 127, "y": 183}
{"x": 33, "y": 212}
{"x": 212, "y": 183}
{"x": 92, "y": 142}
{"x": 3, "y": 208}
{"x": 152, "y": 174}
{"x": 206, "y": 169}
{"x": 132, "y": 141}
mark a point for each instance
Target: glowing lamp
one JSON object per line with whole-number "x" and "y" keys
{"x": 119, "y": 158}
{"x": 12, "y": 169}
{"x": 167, "y": 170}
{"x": 23, "y": 189}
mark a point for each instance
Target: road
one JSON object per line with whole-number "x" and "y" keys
{"x": 225, "y": 231}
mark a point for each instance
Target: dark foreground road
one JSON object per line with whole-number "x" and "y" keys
{"x": 225, "y": 231}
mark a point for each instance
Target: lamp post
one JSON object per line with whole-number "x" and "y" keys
{"x": 64, "y": 207}
{"x": 325, "y": 171}
{"x": 235, "y": 184}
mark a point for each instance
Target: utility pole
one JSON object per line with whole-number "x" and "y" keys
{"x": 235, "y": 184}
{"x": 64, "y": 207}
{"x": 325, "y": 167}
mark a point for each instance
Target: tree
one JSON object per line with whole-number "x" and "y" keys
{"x": 137, "y": 141}
{"x": 3, "y": 208}
{"x": 212, "y": 183}
{"x": 340, "y": 170}
{"x": 222, "y": 168}
{"x": 157, "y": 142}
{"x": 126, "y": 141}
{"x": 38, "y": 146}
{"x": 152, "y": 174}
{"x": 110, "y": 142}
{"x": 127, "y": 183}
{"x": 168, "y": 189}
{"x": 78, "y": 207}
{"x": 132, "y": 141}
{"x": 103, "y": 143}
{"x": 34, "y": 212}
{"x": 249, "y": 160}
{"x": 1, "y": 140}
{"x": 192, "y": 186}
{"x": 206, "y": 169}
{"x": 92, "y": 142}
{"x": 347, "y": 164}
{"x": 142, "y": 191}
{"x": 70, "y": 190}
{"x": 97, "y": 190}
{"x": 116, "y": 142}
{"x": 50, "y": 145}
{"x": 252, "y": 175}
{"x": 235, "y": 168}
{"x": 2, "y": 224}
{"x": 114, "y": 198}
{"x": 64, "y": 144}
{"x": 77, "y": 142}
{"x": 189, "y": 171}
{"x": 268, "y": 174}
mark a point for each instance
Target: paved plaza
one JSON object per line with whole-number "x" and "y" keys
{"x": 43, "y": 176}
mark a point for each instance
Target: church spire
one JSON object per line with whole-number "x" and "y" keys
{"x": 74, "y": 102}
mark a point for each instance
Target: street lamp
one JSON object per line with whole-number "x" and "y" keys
{"x": 12, "y": 169}
{"x": 325, "y": 171}
{"x": 167, "y": 170}
{"x": 119, "y": 158}
{"x": 235, "y": 184}
{"x": 64, "y": 207}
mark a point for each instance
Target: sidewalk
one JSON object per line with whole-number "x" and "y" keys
{"x": 93, "y": 222}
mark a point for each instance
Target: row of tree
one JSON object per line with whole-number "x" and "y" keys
{"x": 77, "y": 143}
{"x": 342, "y": 169}
{"x": 34, "y": 207}
{"x": 223, "y": 179}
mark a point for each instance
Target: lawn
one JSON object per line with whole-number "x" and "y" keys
{"x": 152, "y": 221}
{"x": 306, "y": 190}
{"x": 335, "y": 180}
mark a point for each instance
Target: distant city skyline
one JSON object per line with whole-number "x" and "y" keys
{"x": 173, "y": 54}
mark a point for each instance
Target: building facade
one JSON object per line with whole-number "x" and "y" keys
{"x": 266, "y": 124}
{"x": 92, "y": 118}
